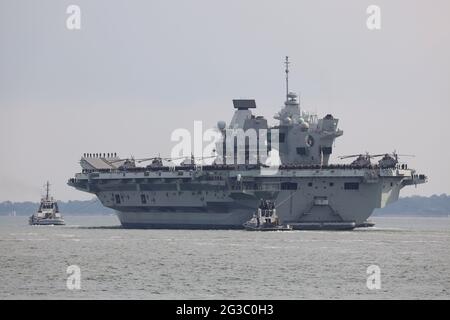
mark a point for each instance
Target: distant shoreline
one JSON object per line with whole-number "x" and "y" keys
{"x": 414, "y": 206}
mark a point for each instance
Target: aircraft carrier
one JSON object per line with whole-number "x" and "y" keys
{"x": 308, "y": 191}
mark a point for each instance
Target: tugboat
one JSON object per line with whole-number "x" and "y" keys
{"x": 266, "y": 219}
{"x": 48, "y": 213}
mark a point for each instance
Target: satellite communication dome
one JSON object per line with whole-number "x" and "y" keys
{"x": 304, "y": 125}
{"x": 221, "y": 125}
{"x": 292, "y": 95}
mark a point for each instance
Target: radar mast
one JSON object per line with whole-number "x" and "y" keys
{"x": 286, "y": 62}
{"x": 47, "y": 190}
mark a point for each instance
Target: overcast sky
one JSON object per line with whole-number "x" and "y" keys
{"x": 137, "y": 70}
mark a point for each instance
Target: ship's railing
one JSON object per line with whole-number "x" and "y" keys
{"x": 226, "y": 167}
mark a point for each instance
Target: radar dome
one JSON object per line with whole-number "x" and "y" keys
{"x": 221, "y": 125}
{"x": 292, "y": 95}
{"x": 304, "y": 125}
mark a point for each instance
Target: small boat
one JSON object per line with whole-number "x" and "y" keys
{"x": 48, "y": 212}
{"x": 266, "y": 219}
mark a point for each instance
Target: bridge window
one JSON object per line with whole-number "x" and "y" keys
{"x": 143, "y": 199}
{"x": 351, "y": 186}
{"x": 301, "y": 151}
{"x": 117, "y": 199}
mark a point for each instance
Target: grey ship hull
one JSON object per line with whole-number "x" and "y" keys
{"x": 333, "y": 198}
{"x": 182, "y": 220}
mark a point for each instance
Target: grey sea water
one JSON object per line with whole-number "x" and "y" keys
{"x": 412, "y": 253}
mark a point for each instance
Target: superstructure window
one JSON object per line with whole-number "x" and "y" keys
{"x": 351, "y": 186}
{"x": 143, "y": 199}
{"x": 282, "y": 137}
{"x": 326, "y": 150}
{"x": 301, "y": 151}
{"x": 117, "y": 199}
{"x": 288, "y": 186}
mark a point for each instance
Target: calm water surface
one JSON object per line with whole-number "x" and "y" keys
{"x": 412, "y": 253}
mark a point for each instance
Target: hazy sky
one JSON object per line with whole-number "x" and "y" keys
{"x": 137, "y": 70}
